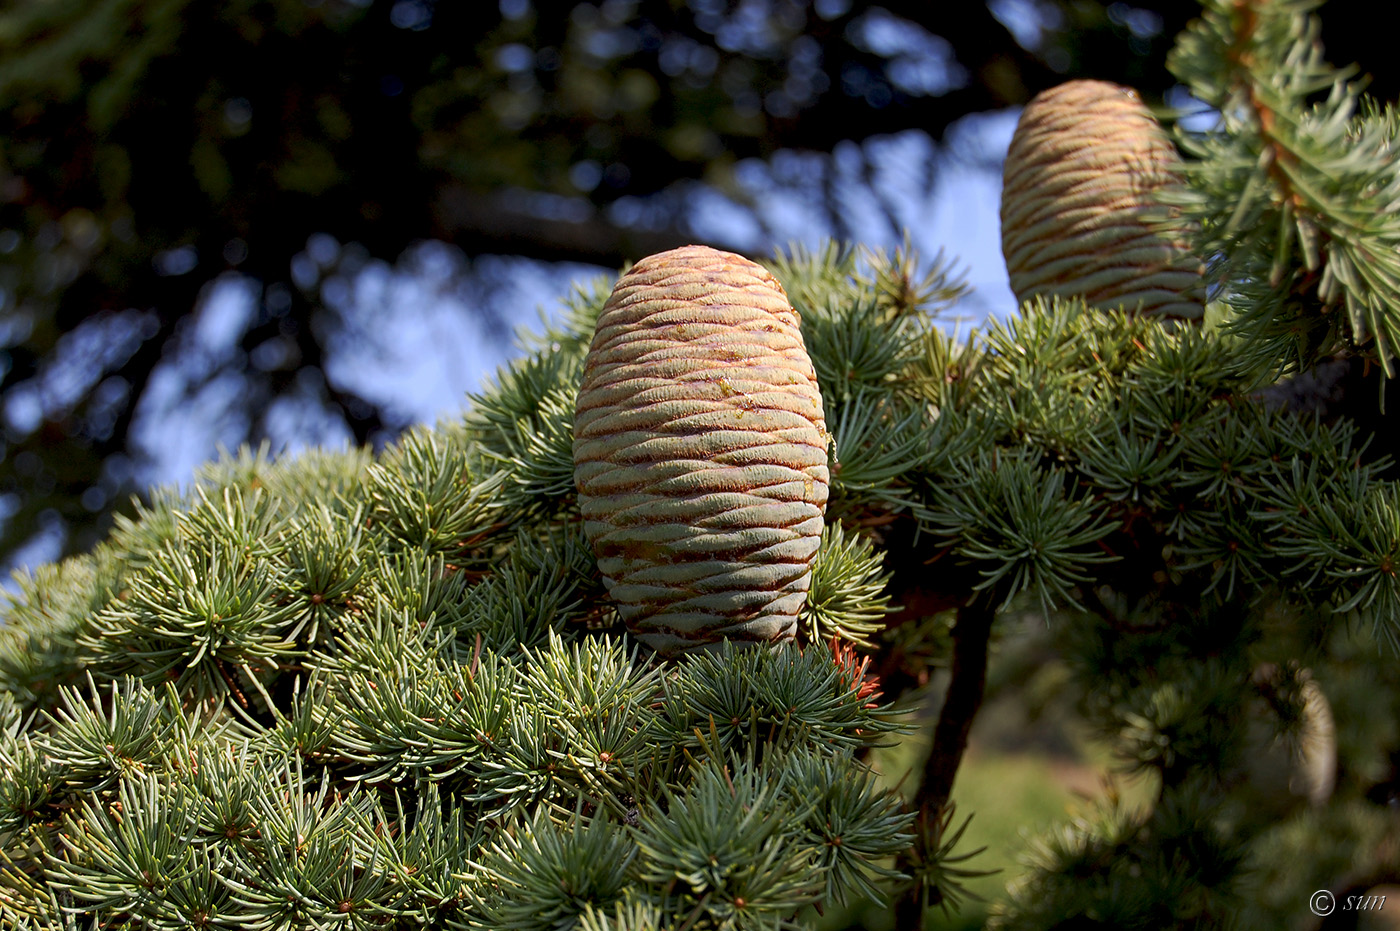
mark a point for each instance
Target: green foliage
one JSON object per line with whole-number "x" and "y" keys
{"x": 526, "y": 425}
{"x": 1015, "y": 521}
{"x": 351, "y": 691}
{"x": 853, "y": 827}
{"x": 1296, "y": 194}
{"x": 360, "y": 690}
{"x": 425, "y": 495}
{"x": 940, "y": 862}
{"x": 367, "y": 690}
{"x": 571, "y": 329}
{"x": 96, "y": 749}
{"x": 718, "y": 842}
{"x": 732, "y": 701}
{"x": 44, "y": 613}
{"x": 392, "y": 688}
{"x": 549, "y": 875}
{"x": 845, "y": 600}
{"x": 1170, "y": 869}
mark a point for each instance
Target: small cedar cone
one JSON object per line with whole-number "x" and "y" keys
{"x": 1281, "y": 773}
{"x": 1079, "y": 201}
{"x": 700, "y": 452}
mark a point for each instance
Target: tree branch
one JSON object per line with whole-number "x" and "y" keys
{"x": 966, "y": 689}
{"x": 480, "y": 224}
{"x": 971, "y": 634}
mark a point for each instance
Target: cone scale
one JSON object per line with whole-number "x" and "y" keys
{"x": 700, "y": 452}
{"x": 1080, "y": 208}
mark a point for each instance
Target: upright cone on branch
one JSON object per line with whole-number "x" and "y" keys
{"x": 700, "y": 451}
{"x": 1080, "y": 207}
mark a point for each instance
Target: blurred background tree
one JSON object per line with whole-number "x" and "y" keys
{"x": 159, "y": 156}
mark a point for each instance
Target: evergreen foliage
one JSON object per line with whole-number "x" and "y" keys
{"x": 1297, "y": 195}
{"x": 388, "y": 691}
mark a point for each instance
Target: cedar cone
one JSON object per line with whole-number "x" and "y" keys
{"x": 700, "y": 452}
{"x": 1283, "y": 773}
{"x": 1079, "y": 207}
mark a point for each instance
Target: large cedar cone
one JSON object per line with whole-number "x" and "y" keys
{"x": 1079, "y": 206}
{"x": 700, "y": 451}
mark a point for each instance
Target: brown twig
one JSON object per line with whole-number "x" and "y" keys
{"x": 966, "y": 689}
{"x": 232, "y": 684}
